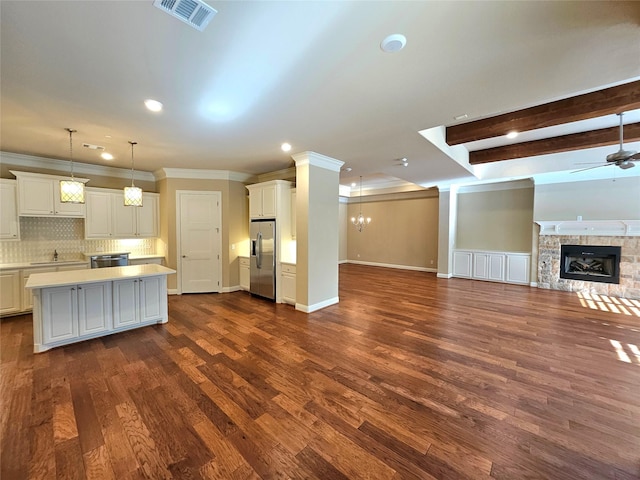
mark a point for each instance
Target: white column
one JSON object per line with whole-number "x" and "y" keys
{"x": 317, "y": 223}
{"x": 447, "y": 224}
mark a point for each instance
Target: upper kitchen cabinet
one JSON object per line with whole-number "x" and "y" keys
{"x": 99, "y": 219}
{"x": 107, "y": 216}
{"x": 39, "y": 196}
{"x": 136, "y": 222}
{"x": 9, "y": 229}
{"x": 269, "y": 199}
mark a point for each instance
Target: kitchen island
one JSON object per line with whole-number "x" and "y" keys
{"x": 79, "y": 305}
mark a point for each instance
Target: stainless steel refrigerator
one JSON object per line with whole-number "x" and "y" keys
{"x": 263, "y": 258}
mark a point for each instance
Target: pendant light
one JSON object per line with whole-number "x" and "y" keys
{"x": 132, "y": 194}
{"x": 71, "y": 191}
{"x": 360, "y": 222}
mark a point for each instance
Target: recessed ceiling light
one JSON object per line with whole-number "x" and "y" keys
{"x": 461, "y": 117}
{"x": 153, "y": 105}
{"x": 512, "y": 134}
{"x": 354, "y": 184}
{"x": 347, "y": 169}
{"x": 106, "y": 156}
{"x": 285, "y": 147}
{"x": 393, "y": 43}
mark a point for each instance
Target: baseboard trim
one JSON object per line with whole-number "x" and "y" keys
{"x": 173, "y": 291}
{"x": 445, "y": 275}
{"x": 391, "y": 265}
{"x": 317, "y": 306}
{"x": 235, "y": 288}
{"x": 533, "y": 284}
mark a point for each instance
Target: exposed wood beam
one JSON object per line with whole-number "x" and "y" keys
{"x": 563, "y": 143}
{"x": 589, "y": 105}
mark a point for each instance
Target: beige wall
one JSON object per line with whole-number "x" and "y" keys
{"x": 614, "y": 199}
{"x": 499, "y": 220}
{"x": 235, "y": 222}
{"x": 402, "y": 232}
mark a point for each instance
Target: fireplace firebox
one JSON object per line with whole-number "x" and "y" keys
{"x": 590, "y": 263}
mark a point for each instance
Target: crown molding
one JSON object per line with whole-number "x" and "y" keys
{"x": 62, "y": 166}
{"x": 285, "y": 174}
{"x": 201, "y": 174}
{"x": 317, "y": 160}
{"x": 497, "y": 186}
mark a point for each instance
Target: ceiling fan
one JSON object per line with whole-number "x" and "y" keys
{"x": 622, "y": 158}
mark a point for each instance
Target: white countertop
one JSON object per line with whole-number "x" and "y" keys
{"x": 49, "y": 263}
{"x": 75, "y": 277}
{"x": 18, "y": 265}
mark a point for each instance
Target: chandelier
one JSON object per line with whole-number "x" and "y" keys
{"x": 360, "y": 222}
{"x": 71, "y": 191}
{"x": 132, "y": 194}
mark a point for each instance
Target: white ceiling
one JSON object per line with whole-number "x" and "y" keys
{"x": 309, "y": 73}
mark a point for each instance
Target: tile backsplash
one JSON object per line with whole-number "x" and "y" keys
{"x": 40, "y": 236}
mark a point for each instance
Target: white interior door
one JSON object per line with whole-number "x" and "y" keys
{"x": 199, "y": 240}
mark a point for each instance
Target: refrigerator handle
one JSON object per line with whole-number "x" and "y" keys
{"x": 253, "y": 248}
{"x": 259, "y": 251}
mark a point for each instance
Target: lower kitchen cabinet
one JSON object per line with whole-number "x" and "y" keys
{"x": 10, "y": 292}
{"x": 72, "y": 311}
{"x": 137, "y": 300}
{"x": 506, "y": 267}
{"x": 288, "y": 283}
{"x": 80, "y": 305}
{"x": 245, "y": 273}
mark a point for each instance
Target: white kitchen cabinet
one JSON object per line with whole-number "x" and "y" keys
{"x": 99, "y": 219}
{"x": 71, "y": 311}
{"x": 94, "y": 308}
{"x": 9, "y": 224}
{"x": 289, "y": 283}
{"x": 270, "y": 200}
{"x": 489, "y": 266}
{"x": 245, "y": 273}
{"x": 507, "y": 267}
{"x": 135, "y": 222}
{"x": 39, "y": 196}
{"x": 138, "y": 300}
{"x": 10, "y": 292}
{"x": 518, "y": 268}
{"x": 108, "y": 217}
{"x": 263, "y": 201}
{"x": 60, "y": 313}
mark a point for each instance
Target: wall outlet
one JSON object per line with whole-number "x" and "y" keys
{"x": 358, "y": 255}
{"x": 431, "y": 262}
{"x": 233, "y": 246}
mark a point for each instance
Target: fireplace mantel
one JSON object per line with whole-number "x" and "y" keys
{"x": 603, "y": 228}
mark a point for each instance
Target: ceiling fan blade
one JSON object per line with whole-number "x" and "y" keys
{"x": 591, "y": 168}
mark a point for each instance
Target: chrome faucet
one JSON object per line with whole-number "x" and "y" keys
{"x": 55, "y": 255}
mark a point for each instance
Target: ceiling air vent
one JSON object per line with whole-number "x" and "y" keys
{"x": 192, "y": 12}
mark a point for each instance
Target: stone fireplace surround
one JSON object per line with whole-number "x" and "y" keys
{"x": 549, "y": 242}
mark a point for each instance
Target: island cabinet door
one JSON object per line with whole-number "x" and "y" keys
{"x": 126, "y": 303}
{"x": 150, "y": 298}
{"x": 59, "y": 313}
{"x": 94, "y": 307}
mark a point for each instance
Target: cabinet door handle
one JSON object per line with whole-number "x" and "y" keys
{"x": 73, "y": 288}
{"x": 184, "y": 256}
{"x": 79, "y": 288}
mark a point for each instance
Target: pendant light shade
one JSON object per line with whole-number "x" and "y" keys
{"x": 360, "y": 222}
{"x": 132, "y": 194}
{"x": 71, "y": 191}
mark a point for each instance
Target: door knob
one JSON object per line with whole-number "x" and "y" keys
{"x": 184, "y": 256}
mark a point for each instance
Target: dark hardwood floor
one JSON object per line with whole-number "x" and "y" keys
{"x": 408, "y": 376}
